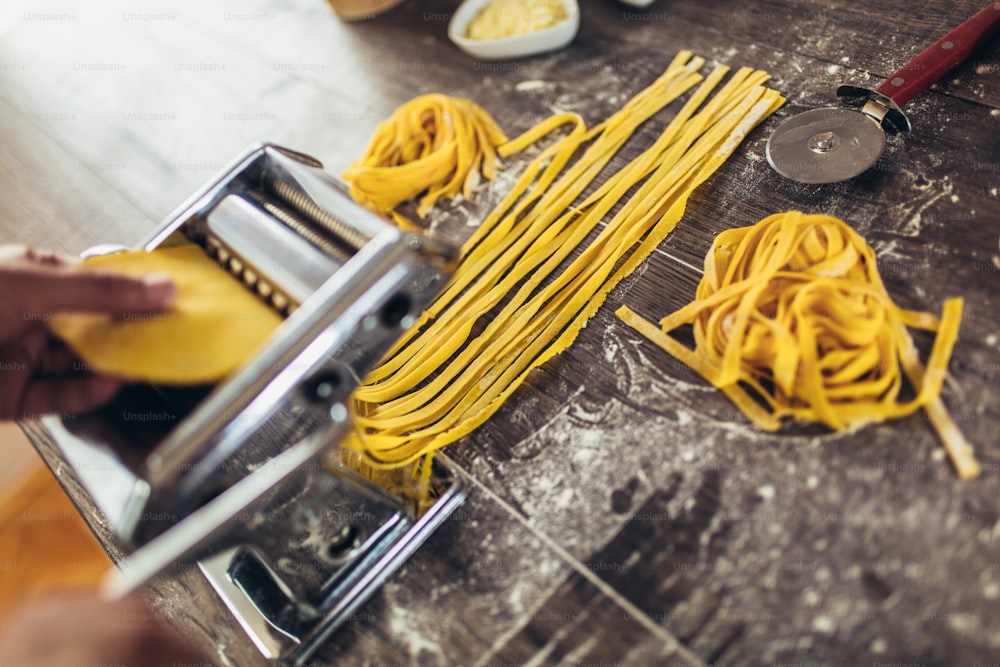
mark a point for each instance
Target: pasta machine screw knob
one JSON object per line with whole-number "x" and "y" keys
{"x": 323, "y": 387}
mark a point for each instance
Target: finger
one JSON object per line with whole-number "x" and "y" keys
{"x": 68, "y": 395}
{"x": 57, "y": 359}
{"x": 22, "y": 255}
{"x": 143, "y": 637}
{"x": 170, "y": 650}
{"x": 17, "y": 368}
{"x": 75, "y": 628}
{"x": 49, "y": 289}
{"x": 46, "y": 257}
{"x": 15, "y": 323}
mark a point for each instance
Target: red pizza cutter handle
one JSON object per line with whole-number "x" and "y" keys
{"x": 942, "y": 56}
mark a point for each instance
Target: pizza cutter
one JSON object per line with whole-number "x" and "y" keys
{"x": 836, "y": 143}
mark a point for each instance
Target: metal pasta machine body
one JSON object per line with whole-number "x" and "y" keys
{"x": 238, "y": 476}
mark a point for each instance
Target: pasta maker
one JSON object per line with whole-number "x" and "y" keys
{"x": 242, "y": 478}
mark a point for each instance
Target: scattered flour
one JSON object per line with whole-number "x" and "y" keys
{"x": 534, "y": 84}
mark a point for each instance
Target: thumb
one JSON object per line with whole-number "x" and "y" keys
{"x": 46, "y": 290}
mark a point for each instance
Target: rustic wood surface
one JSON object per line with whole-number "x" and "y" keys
{"x": 622, "y": 512}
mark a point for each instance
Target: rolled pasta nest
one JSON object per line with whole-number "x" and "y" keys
{"x": 431, "y": 147}
{"x": 791, "y": 320}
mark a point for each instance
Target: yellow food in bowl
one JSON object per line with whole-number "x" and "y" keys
{"x": 508, "y": 18}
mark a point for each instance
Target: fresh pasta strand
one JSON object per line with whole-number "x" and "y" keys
{"x": 434, "y": 146}
{"x": 518, "y": 274}
{"x": 518, "y": 238}
{"x": 794, "y": 309}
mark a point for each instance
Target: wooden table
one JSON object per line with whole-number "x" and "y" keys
{"x": 622, "y": 511}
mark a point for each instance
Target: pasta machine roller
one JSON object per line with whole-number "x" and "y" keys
{"x": 239, "y": 477}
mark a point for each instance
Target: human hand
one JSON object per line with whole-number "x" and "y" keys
{"x": 73, "y": 629}
{"x": 38, "y": 374}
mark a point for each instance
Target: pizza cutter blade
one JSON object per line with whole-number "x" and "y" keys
{"x": 837, "y": 143}
{"x": 825, "y": 145}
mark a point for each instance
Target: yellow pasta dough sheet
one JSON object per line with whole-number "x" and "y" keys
{"x": 214, "y": 325}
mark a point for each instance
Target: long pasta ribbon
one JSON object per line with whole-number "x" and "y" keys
{"x": 546, "y": 257}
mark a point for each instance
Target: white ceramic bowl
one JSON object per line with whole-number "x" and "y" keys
{"x": 518, "y": 46}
